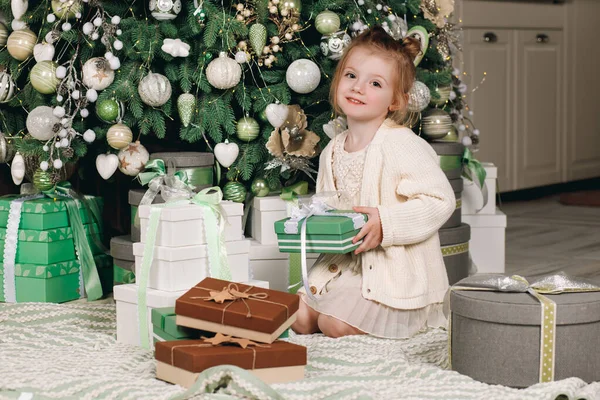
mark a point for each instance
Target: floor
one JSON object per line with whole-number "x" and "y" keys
{"x": 544, "y": 236}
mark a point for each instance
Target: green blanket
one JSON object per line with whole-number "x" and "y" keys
{"x": 69, "y": 351}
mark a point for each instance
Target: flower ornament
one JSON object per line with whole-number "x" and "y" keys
{"x": 292, "y": 138}
{"x": 176, "y": 48}
{"x": 437, "y": 11}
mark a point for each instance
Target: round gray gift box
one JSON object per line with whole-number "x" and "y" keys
{"x": 121, "y": 249}
{"x": 456, "y": 217}
{"x": 456, "y": 254}
{"x": 135, "y": 197}
{"x": 450, "y": 149}
{"x": 496, "y": 336}
{"x": 186, "y": 159}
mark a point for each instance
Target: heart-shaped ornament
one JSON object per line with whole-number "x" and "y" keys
{"x": 276, "y": 114}
{"x": 107, "y": 164}
{"x": 226, "y": 153}
{"x": 43, "y": 52}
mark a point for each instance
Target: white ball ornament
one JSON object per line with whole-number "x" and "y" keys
{"x": 51, "y": 18}
{"x": 95, "y": 36}
{"x": 59, "y": 98}
{"x": 108, "y": 55}
{"x": 133, "y": 158}
{"x": 97, "y": 74}
{"x": 303, "y": 76}
{"x": 466, "y": 141}
{"x": 165, "y": 9}
{"x": 97, "y": 21}
{"x": 117, "y": 44}
{"x": 89, "y": 136}
{"x": 119, "y": 32}
{"x": 88, "y": 28}
{"x": 115, "y": 20}
{"x": 61, "y": 72}
{"x": 66, "y": 26}
{"x": 64, "y": 142}
{"x": 154, "y": 89}
{"x": 84, "y": 113}
{"x": 76, "y": 94}
{"x": 59, "y": 112}
{"x": 114, "y": 63}
{"x": 223, "y": 72}
{"x": 57, "y": 164}
{"x": 241, "y": 57}
{"x": 476, "y": 132}
{"x": 44, "y": 165}
{"x": 91, "y": 95}
{"x": 78, "y": 15}
{"x": 62, "y": 133}
{"x": 40, "y": 123}
{"x": 46, "y": 148}
{"x": 419, "y": 97}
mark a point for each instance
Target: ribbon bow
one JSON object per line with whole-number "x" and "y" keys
{"x": 231, "y": 293}
{"x": 291, "y": 193}
{"x": 475, "y": 172}
{"x": 219, "y": 339}
{"x": 551, "y": 284}
{"x": 171, "y": 183}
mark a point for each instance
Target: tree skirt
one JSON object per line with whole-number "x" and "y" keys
{"x": 69, "y": 351}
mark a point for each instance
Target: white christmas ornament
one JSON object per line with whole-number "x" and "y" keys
{"x": 133, "y": 158}
{"x": 89, "y": 136}
{"x": 59, "y": 112}
{"x": 118, "y": 45}
{"x": 43, "y": 52}
{"x": 88, "y": 28}
{"x": 91, "y": 95}
{"x": 106, "y": 165}
{"x": 18, "y": 8}
{"x": 241, "y": 57}
{"x": 223, "y": 72}
{"x": 18, "y": 25}
{"x": 97, "y": 21}
{"x": 154, "y": 89}
{"x": 7, "y": 87}
{"x": 61, "y": 72}
{"x": 17, "y": 169}
{"x": 303, "y": 76}
{"x": 44, "y": 164}
{"x": 57, "y": 164}
{"x": 84, "y": 112}
{"x": 115, "y": 20}
{"x": 176, "y": 48}
{"x": 97, "y": 74}
{"x": 114, "y": 63}
{"x": 276, "y": 114}
{"x": 40, "y": 123}
{"x": 165, "y": 9}
{"x": 418, "y": 97}
{"x": 226, "y": 153}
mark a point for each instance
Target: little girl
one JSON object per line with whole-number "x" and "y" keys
{"x": 394, "y": 283}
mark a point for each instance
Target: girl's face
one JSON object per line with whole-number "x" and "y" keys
{"x": 366, "y": 88}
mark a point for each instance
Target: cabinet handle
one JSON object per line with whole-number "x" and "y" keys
{"x": 490, "y": 37}
{"x": 542, "y": 38}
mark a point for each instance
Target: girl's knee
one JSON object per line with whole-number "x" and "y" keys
{"x": 336, "y": 328}
{"x": 306, "y": 321}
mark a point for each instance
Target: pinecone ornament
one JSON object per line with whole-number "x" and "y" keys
{"x": 186, "y": 106}
{"x": 258, "y": 38}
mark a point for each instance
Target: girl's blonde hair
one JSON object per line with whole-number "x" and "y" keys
{"x": 402, "y": 53}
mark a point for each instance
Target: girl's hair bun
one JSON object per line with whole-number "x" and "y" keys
{"x": 411, "y": 47}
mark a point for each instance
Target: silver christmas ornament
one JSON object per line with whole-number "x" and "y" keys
{"x": 40, "y": 123}
{"x": 223, "y": 72}
{"x": 6, "y": 149}
{"x": 436, "y": 124}
{"x": 7, "y": 87}
{"x": 165, "y": 9}
{"x": 333, "y": 46}
{"x": 303, "y": 76}
{"x": 154, "y": 89}
{"x": 418, "y": 97}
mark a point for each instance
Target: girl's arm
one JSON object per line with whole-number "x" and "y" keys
{"x": 428, "y": 197}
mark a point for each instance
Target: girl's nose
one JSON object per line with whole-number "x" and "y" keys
{"x": 357, "y": 88}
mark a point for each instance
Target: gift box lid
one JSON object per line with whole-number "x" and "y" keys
{"x": 268, "y": 313}
{"x": 496, "y": 220}
{"x": 191, "y": 252}
{"x": 259, "y": 251}
{"x": 135, "y": 197}
{"x": 457, "y": 185}
{"x": 164, "y": 319}
{"x": 49, "y": 235}
{"x": 523, "y": 308}
{"x": 456, "y": 235}
{"x": 121, "y": 247}
{"x": 154, "y": 298}
{"x": 448, "y": 148}
{"x": 274, "y": 203}
{"x": 42, "y": 205}
{"x": 186, "y": 159}
{"x": 323, "y": 225}
{"x": 198, "y": 355}
{"x": 54, "y": 270}
{"x": 186, "y": 212}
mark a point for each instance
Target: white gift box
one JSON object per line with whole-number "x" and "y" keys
{"x": 265, "y": 211}
{"x": 126, "y": 297}
{"x": 472, "y": 198}
{"x": 487, "y": 244}
{"x": 180, "y": 268}
{"x": 267, "y": 263}
{"x": 183, "y": 225}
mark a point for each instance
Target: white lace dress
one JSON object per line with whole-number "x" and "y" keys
{"x": 341, "y": 297}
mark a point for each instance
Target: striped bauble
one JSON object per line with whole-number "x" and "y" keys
{"x": 247, "y": 129}
{"x": 3, "y": 34}
{"x": 43, "y": 77}
{"x": 20, "y": 44}
{"x": 327, "y": 22}
{"x": 7, "y": 87}
{"x": 154, "y": 89}
{"x": 234, "y": 191}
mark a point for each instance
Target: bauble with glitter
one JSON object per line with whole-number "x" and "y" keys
{"x": 260, "y": 187}
{"x": 247, "y": 129}
{"x": 186, "y": 106}
{"x": 223, "y": 72}
{"x": 333, "y": 46}
{"x": 303, "y": 76}
{"x": 97, "y": 74}
{"x": 66, "y": 9}
{"x": 43, "y": 77}
{"x": 418, "y": 97}
{"x": 327, "y": 22}
{"x": 164, "y": 10}
{"x": 258, "y": 37}
{"x": 154, "y": 89}
{"x": 133, "y": 158}
{"x": 234, "y": 191}
{"x": 110, "y": 110}
{"x": 226, "y": 153}
{"x": 40, "y": 123}
{"x": 20, "y": 44}
{"x": 42, "y": 180}
{"x": 7, "y": 87}
{"x": 119, "y": 136}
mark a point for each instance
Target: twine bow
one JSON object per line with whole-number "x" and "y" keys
{"x": 475, "y": 172}
{"x": 551, "y": 284}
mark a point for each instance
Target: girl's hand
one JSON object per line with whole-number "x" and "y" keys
{"x": 371, "y": 231}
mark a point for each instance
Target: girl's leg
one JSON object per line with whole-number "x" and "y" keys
{"x": 306, "y": 323}
{"x": 336, "y": 328}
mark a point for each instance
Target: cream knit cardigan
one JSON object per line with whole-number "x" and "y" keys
{"x": 403, "y": 179}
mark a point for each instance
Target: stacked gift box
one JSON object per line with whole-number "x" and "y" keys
{"x": 121, "y": 250}
{"x": 46, "y": 267}
{"x": 237, "y": 325}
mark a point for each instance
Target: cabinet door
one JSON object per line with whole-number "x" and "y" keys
{"x": 540, "y": 108}
{"x": 488, "y": 52}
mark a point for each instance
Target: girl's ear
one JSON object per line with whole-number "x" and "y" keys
{"x": 399, "y": 103}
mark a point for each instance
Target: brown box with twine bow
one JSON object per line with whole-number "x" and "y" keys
{"x": 239, "y": 310}
{"x": 181, "y": 362}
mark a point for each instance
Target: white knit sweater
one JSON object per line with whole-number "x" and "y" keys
{"x": 403, "y": 179}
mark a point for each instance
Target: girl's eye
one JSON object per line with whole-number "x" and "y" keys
{"x": 376, "y": 84}
{"x": 350, "y": 75}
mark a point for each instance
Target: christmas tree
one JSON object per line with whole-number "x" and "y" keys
{"x": 90, "y": 76}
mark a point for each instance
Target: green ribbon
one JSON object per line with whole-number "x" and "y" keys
{"x": 475, "y": 172}
{"x": 291, "y": 193}
{"x": 91, "y": 280}
{"x": 122, "y": 275}
{"x": 194, "y": 177}
{"x": 449, "y": 163}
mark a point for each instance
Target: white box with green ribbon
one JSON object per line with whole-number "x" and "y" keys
{"x": 472, "y": 197}
{"x": 265, "y": 212}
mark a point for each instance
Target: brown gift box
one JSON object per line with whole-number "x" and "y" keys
{"x": 181, "y": 361}
{"x": 262, "y": 317}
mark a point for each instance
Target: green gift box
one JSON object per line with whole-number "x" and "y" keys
{"x": 324, "y": 234}
{"x": 50, "y": 246}
{"x": 44, "y": 213}
{"x": 165, "y": 329}
{"x": 54, "y": 283}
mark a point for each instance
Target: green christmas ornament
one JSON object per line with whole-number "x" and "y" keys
{"x": 290, "y": 5}
{"x": 186, "y": 105}
{"x": 42, "y": 180}
{"x": 260, "y": 187}
{"x": 109, "y": 110}
{"x": 258, "y": 38}
{"x": 444, "y": 92}
{"x": 208, "y": 56}
{"x": 66, "y": 9}
{"x": 247, "y": 129}
{"x": 263, "y": 116}
{"x": 234, "y": 191}
{"x": 43, "y": 77}
{"x": 327, "y": 22}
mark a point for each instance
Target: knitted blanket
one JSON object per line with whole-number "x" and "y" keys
{"x": 69, "y": 351}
